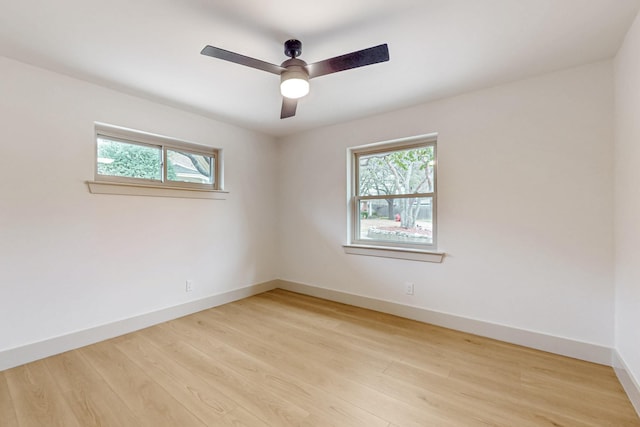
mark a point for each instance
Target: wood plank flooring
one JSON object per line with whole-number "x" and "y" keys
{"x": 284, "y": 359}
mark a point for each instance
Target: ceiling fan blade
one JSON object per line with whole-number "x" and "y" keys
{"x": 351, "y": 60}
{"x": 288, "y": 107}
{"x": 216, "y": 52}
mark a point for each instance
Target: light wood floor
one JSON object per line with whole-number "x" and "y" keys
{"x": 283, "y": 359}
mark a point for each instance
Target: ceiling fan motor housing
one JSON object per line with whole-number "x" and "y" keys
{"x": 293, "y": 48}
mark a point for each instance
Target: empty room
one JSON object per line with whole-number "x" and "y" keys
{"x": 338, "y": 213}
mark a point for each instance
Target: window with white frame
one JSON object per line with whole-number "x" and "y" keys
{"x": 393, "y": 194}
{"x": 127, "y": 156}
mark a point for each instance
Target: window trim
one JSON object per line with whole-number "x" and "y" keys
{"x": 397, "y": 253}
{"x": 127, "y": 189}
{"x": 355, "y": 245}
{"x": 108, "y": 184}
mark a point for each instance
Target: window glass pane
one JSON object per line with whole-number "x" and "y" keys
{"x": 117, "y": 158}
{"x": 398, "y": 172}
{"x": 397, "y": 220}
{"x": 183, "y": 166}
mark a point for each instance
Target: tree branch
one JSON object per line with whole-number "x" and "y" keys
{"x": 197, "y": 164}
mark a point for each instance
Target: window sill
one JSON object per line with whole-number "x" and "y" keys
{"x": 126, "y": 189}
{"x": 398, "y": 253}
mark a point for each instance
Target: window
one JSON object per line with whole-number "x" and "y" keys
{"x": 127, "y": 157}
{"x": 393, "y": 195}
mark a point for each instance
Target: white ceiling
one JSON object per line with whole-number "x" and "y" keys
{"x": 438, "y": 48}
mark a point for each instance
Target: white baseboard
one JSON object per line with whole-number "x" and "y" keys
{"x": 39, "y": 350}
{"x": 553, "y": 344}
{"x": 566, "y": 347}
{"x": 629, "y": 383}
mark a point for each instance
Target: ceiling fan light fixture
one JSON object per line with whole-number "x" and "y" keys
{"x": 294, "y": 83}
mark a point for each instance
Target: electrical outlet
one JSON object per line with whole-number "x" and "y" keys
{"x": 188, "y": 287}
{"x": 408, "y": 288}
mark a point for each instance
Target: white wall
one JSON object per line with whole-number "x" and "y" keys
{"x": 525, "y": 209}
{"x": 70, "y": 260}
{"x": 525, "y": 206}
{"x": 627, "y": 201}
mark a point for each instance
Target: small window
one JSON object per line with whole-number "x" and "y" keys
{"x": 393, "y": 194}
{"x": 126, "y": 156}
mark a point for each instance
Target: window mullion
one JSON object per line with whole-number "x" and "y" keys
{"x": 163, "y": 164}
{"x": 395, "y": 196}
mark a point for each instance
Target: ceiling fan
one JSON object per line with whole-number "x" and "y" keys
{"x": 295, "y": 73}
